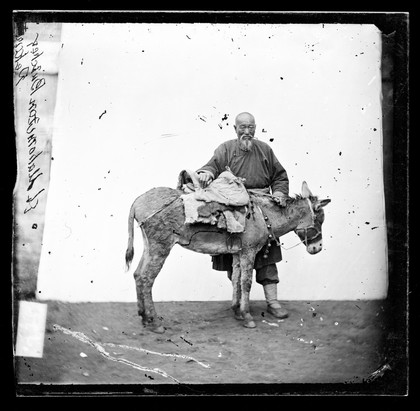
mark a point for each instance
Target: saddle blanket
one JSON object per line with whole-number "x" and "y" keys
{"x": 224, "y": 202}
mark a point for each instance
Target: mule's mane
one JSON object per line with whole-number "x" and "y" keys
{"x": 290, "y": 201}
{"x": 298, "y": 197}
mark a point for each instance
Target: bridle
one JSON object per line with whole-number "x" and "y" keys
{"x": 305, "y": 241}
{"x": 306, "y": 229}
{"x": 272, "y": 237}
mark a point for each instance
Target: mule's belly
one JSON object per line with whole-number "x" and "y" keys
{"x": 207, "y": 239}
{"x": 213, "y": 242}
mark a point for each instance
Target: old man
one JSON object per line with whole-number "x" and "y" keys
{"x": 256, "y": 162}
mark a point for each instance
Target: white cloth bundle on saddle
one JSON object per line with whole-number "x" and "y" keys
{"x": 227, "y": 190}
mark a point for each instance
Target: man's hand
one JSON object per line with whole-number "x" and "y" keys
{"x": 280, "y": 198}
{"x": 205, "y": 178}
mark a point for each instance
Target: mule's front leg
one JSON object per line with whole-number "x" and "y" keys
{"x": 246, "y": 265}
{"x": 236, "y": 286}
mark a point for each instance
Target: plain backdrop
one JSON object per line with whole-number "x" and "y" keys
{"x": 138, "y": 103}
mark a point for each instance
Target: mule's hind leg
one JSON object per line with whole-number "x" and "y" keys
{"x": 153, "y": 258}
{"x": 236, "y": 285}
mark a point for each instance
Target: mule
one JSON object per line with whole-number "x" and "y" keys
{"x": 160, "y": 214}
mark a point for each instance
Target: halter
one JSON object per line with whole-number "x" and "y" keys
{"x": 305, "y": 229}
{"x": 272, "y": 237}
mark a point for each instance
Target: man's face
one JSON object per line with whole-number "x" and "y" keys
{"x": 245, "y": 130}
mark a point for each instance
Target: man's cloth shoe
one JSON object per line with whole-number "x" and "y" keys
{"x": 273, "y": 306}
{"x": 277, "y": 311}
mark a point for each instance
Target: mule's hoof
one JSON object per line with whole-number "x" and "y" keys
{"x": 158, "y": 330}
{"x": 238, "y": 317}
{"x": 249, "y": 324}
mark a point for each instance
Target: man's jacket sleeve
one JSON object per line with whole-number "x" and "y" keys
{"x": 279, "y": 178}
{"x": 216, "y": 165}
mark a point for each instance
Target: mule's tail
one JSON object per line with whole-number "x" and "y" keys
{"x": 129, "y": 254}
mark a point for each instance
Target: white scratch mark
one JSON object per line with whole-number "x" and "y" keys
{"x": 166, "y": 135}
{"x": 272, "y": 324}
{"x": 68, "y": 228}
{"x": 372, "y": 80}
{"x": 304, "y": 341}
{"x": 83, "y": 338}
{"x": 379, "y": 372}
{"x": 185, "y": 357}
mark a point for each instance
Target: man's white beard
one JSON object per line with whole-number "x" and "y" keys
{"x": 246, "y": 144}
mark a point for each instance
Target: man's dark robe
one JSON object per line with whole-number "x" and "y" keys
{"x": 261, "y": 169}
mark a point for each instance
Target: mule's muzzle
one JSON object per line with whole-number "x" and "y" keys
{"x": 314, "y": 247}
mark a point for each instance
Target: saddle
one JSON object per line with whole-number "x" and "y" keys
{"x": 223, "y": 203}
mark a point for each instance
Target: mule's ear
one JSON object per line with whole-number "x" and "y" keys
{"x": 305, "y": 190}
{"x": 321, "y": 203}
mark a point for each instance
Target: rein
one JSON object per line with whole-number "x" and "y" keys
{"x": 293, "y": 246}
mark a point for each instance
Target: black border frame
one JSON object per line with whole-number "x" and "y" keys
{"x": 395, "y": 381}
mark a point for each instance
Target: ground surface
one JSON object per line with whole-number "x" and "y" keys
{"x": 321, "y": 342}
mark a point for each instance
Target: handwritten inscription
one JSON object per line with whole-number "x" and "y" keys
{"x": 28, "y": 68}
{"x": 33, "y": 68}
